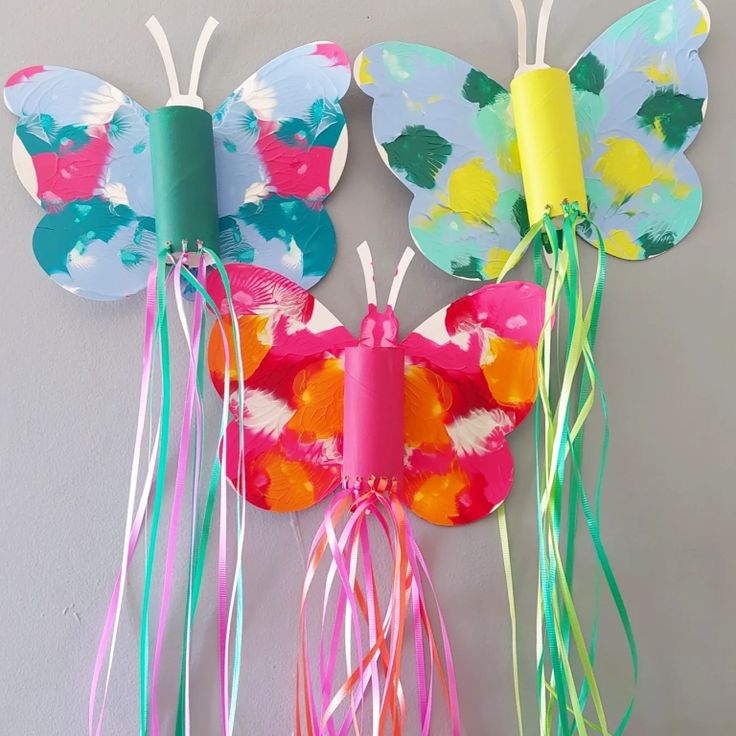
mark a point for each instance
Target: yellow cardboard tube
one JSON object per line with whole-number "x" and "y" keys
{"x": 549, "y": 147}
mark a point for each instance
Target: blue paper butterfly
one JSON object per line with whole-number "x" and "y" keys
{"x": 81, "y": 149}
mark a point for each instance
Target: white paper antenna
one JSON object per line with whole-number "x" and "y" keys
{"x": 191, "y": 99}
{"x": 401, "y": 270}
{"x": 162, "y": 41}
{"x": 542, "y": 32}
{"x": 204, "y": 38}
{"x": 522, "y": 32}
{"x": 366, "y": 261}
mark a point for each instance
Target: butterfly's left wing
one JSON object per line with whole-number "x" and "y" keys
{"x": 292, "y": 349}
{"x": 81, "y": 149}
{"x": 280, "y": 148}
{"x": 446, "y": 131}
{"x": 640, "y": 96}
{"x": 471, "y": 379}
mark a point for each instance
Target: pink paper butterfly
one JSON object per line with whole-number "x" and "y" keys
{"x": 470, "y": 379}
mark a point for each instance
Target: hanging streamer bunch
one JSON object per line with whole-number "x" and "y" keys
{"x": 372, "y": 638}
{"x": 596, "y": 153}
{"x": 419, "y": 424}
{"x": 189, "y": 267}
{"x": 559, "y": 428}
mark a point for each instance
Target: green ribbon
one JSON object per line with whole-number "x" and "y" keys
{"x": 559, "y": 440}
{"x": 198, "y": 545}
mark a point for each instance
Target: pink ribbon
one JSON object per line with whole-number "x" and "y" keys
{"x": 108, "y": 638}
{"x": 376, "y": 677}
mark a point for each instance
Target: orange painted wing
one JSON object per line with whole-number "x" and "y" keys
{"x": 292, "y": 350}
{"x": 471, "y": 379}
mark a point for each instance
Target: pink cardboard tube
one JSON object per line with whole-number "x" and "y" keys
{"x": 374, "y": 413}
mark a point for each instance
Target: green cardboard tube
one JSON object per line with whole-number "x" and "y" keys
{"x": 184, "y": 183}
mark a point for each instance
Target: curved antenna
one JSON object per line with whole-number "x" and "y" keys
{"x": 162, "y": 41}
{"x": 401, "y": 270}
{"x": 521, "y": 26}
{"x": 204, "y": 39}
{"x": 191, "y": 98}
{"x": 366, "y": 261}
{"x": 543, "y": 30}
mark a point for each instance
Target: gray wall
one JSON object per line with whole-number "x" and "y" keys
{"x": 70, "y": 370}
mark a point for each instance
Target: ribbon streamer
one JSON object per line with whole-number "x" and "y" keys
{"x": 374, "y": 636}
{"x": 188, "y": 477}
{"x": 559, "y": 432}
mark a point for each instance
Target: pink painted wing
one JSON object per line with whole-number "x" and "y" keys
{"x": 471, "y": 379}
{"x": 292, "y": 350}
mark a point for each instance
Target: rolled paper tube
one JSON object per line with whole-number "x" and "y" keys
{"x": 373, "y": 443}
{"x": 549, "y": 147}
{"x": 184, "y": 183}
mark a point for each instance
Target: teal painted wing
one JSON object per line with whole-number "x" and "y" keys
{"x": 640, "y": 96}
{"x": 446, "y": 131}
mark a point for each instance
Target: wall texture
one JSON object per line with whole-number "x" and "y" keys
{"x": 70, "y": 370}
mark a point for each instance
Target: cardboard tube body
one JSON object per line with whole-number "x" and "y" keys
{"x": 184, "y": 183}
{"x": 549, "y": 147}
{"x": 374, "y": 413}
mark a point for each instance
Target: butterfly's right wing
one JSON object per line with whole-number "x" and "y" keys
{"x": 292, "y": 349}
{"x": 280, "y": 149}
{"x": 471, "y": 379}
{"x": 640, "y": 96}
{"x": 81, "y": 149}
{"x": 446, "y": 131}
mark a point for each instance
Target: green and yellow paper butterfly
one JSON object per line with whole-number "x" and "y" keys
{"x": 447, "y": 132}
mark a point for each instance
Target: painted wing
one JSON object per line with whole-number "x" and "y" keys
{"x": 280, "y": 148}
{"x": 640, "y": 96}
{"x": 292, "y": 348}
{"x": 471, "y": 380}
{"x": 81, "y": 150}
{"x": 446, "y": 131}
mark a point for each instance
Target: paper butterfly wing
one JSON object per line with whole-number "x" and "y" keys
{"x": 292, "y": 350}
{"x": 446, "y": 131}
{"x": 81, "y": 150}
{"x": 471, "y": 380}
{"x": 280, "y": 148}
{"x": 640, "y": 95}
